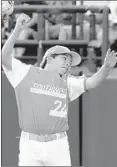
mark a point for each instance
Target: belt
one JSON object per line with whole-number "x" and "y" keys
{"x": 43, "y": 137}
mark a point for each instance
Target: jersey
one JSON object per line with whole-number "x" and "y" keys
{"x": 42, "y": 102}
{"x": 43, "y": 97}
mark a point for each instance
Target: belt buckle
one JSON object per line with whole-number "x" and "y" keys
{"x": 40, "y": 138}
{"x": 45, "y": 137}
{"x": 49, "y": 137}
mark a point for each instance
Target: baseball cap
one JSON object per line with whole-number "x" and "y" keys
{"x": 76, "y": 58}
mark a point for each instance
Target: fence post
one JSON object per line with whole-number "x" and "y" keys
{"x": 74, "y": 23}
{"x": 81, "y": 23}
{"x": 105, "y": 32}
{"x": 40, "y": 53}
{"x": 41, "y": 36}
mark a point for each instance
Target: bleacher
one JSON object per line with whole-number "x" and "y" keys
{"x": 35, "y": 49}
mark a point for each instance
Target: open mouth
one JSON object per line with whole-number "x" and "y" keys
{"x": 65, "y": 67}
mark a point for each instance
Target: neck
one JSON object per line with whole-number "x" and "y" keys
{"x": 52, "y": 69}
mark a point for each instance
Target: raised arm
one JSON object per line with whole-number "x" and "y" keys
{"x": 100, "y": 76}
{"x": 8, "y": 46}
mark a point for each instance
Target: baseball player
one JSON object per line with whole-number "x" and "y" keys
{"x": 43, "y": 95}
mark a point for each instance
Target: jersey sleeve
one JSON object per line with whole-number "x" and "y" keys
{"x": 18, "y": 72}
{"x": 76, "y": 86}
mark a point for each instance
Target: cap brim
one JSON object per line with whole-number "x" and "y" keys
{"x": 76, "y": 58}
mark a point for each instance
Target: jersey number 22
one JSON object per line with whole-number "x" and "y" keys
{"x": 59, "y": 110}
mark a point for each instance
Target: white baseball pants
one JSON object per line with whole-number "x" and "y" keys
{"x": 52, "y": 153}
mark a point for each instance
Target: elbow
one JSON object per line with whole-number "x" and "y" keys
{"x": 89, "y": 87}
{"x": 92, "y": 85}
{"x": 6, "y": 63}
{"x": 3, "y": 59}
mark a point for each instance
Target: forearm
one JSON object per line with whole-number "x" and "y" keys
{"x": 97, "y": 78}
{"x": 32, "y": 21}
{"x": 8, "y": 46}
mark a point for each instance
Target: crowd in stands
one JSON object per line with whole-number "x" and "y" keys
{"x": 59, "y": 26}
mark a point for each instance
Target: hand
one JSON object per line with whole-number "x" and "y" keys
{"x": 22, "y": 20}
{"x": 7, "y": 8}
{"x": 110, "y": 59}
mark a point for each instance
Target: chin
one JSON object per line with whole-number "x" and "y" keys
{"x": 62, "y": 72}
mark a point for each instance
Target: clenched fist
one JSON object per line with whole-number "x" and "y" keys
{"x": 22, "y": 20}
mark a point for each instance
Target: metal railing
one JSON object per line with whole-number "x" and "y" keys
{"x": 65, "y": 9}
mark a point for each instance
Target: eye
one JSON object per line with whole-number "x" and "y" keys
{"x": 64, "y": 58}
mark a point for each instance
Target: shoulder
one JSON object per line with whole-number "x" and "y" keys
{"x": 71, "y": 79}
{"x": 17, "y": 73}
{"x": 76, "y": 86}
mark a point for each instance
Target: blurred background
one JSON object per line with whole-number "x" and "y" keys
{"x": 94, "y": 30}
{"x": 90, "y": 31}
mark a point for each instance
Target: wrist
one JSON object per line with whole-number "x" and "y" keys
{"x": 106, "y": 66}
{"x": 17, "y": 29}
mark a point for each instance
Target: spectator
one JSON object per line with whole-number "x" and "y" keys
{"x": 58, "y": 19}
{"x": 54, "y": 30}
{"x": 30, "y": 31}
{"x": 112, "y": 26}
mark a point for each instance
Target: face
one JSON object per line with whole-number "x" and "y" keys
{"x": 61, "y": 63}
